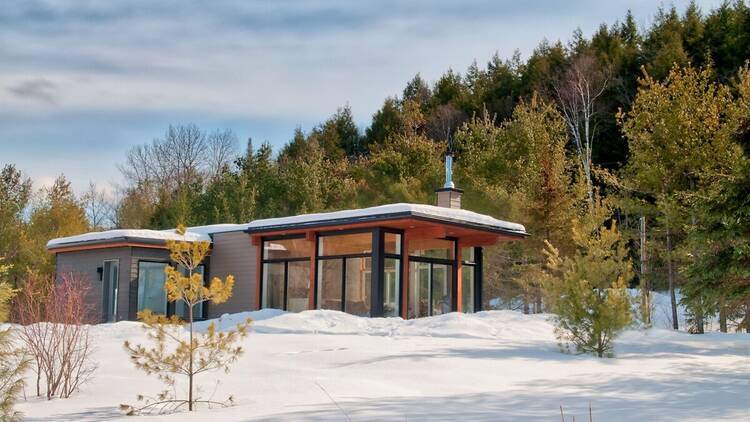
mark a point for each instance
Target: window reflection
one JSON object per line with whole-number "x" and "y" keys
{"x": 329, "y": 284}
{"x": 467, "y": 288}
{"x": 287, "y": 248}
{"x": 391, "y": 286}
{"x": 392, "y": 243}
{"x": 273, "y": 285}
{"x": 431, "y": 248}
{"x": 358, "y": 285}
{"x": 345, "y": 244}
{"x": 298, "y": 286}
{"x": 151, "y": 294}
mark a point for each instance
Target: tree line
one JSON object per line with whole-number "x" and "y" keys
{"x": 628, "y": 125}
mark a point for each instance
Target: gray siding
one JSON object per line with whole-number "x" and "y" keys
{"x": 85, "y": 264}
{"x": 141, "y": 254}
{"x": 233, "y": 253}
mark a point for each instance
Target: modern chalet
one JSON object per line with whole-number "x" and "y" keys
{"x": 407, "y": 260}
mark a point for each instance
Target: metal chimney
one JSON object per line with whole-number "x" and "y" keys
{"x": 448, "y": 196}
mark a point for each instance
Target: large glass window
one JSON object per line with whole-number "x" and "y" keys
{"x": 432, "y": 248}
{"x": 109, "y": 288}
{"x": 345, "y": 272}
{"x": 298, "y": 286}
{"x": 345, "y": 244}
{"x": 273, "y": 285}
{"x": 419, "y": 289}
{"x": 151, "y": 294}
{"x": 391, "y": 286}
{"x": 297, "y": 247}
{"x": 180, "y": 308}
{"x": 468, "y": 275}
{"x": 285, "y": 281}
{"x": 330, "y": 288}
{"x": 440, "y": 295}
{"x": 358, "y": 286}
{"x": 392, "y": 243}
{"x": 469, "y": 271}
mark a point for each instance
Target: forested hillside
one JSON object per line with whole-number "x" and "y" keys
{"x": 632, "y": 122}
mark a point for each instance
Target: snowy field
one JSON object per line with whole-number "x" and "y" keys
{"x": 491, "y": 366}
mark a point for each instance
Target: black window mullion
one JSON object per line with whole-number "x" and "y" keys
{"x": 377, "y": 274}
{"x": 286, "y": 283}
{"x": 343, "y": 284}
{"x": 430, "y": 278}
{"x": 352, "y": 255}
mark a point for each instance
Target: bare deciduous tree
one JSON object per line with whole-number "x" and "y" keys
{"x": 185, "y": 155}
{"x": 222, "y": 148}
{"x": 444, "y": 121}
{"x": 577, "y": 92}
{"x": 100, "y": 207}
{"x": 54, "y": 320}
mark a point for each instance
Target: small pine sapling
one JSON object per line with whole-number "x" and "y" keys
{"x": 588, "y": 290}
{"x": 13, "y": 361}
{"x": 173, "y": 355}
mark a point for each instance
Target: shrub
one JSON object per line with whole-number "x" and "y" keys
{"x": 54, "y": 319}
{"x": 13, "y": 360}
{"x": 588, "y": 291}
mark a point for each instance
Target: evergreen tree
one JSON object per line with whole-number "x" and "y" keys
{"x": 588, "y": 289}
{"x": 173, "y": 355}
{"x": 679, "y": 143}
{"x": 15, "y": 193}
{"x": 719, "y": 271}
{"x": 13, "y": 360}
{"x": 58, "y": 214}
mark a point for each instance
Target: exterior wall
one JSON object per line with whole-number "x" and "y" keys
{"x": 449, "y": 198}
{"x": 85, "y": 264}
{"x": 233, "y": 253}
{"x": 140, "y": 254}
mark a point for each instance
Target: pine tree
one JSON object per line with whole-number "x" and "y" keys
{"x": 588, "y": 289}
{"x": 13, "y": 360}
{"x": 679, "y": 143}
{"x": 58, "y": 214}
{"x": 173, "y": 355}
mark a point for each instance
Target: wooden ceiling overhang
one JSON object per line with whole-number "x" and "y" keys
{"x": 415, "y": 227}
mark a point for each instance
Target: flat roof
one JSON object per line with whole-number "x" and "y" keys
{"x": 389, "y": 212}
{"x": 378, "y": 213}
{"x": 126, "y": 235}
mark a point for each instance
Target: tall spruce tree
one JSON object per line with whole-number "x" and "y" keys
{"x": 679, "y": 143}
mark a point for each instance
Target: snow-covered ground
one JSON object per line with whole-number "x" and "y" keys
{"x": 493, "y": 366}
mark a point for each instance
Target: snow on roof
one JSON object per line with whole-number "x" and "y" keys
{"x": 127, "y": 234}
{"x": 454, "y": 215}
{"x": 451, "y": 215}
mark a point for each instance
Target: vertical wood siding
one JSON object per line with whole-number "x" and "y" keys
{"x": 85, "y": 263}
{"x": 233, "y": 253}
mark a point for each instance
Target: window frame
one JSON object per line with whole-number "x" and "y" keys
{"x": 170, "y": 307}
{"x": 284, "y": 261}
{"x": 477, "y": 282}
{"x": 153, "y": 261}
{"x": 452, "y": 270}
{"x": 375, "y": 267}
{"x": 383, "y": 255}
{"x": 114, "y": 305}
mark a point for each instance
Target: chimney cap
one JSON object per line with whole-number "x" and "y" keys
{"x": 444, "y": 189}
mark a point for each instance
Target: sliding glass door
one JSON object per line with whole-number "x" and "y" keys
{"x": 151, "y": 294}
{"x": 431, "y": 277}
{"x": 430, "y": 289}
{"x": 285, "y": 280}
{"x": 345, "y": 272}
{"x": 110, "y": 280}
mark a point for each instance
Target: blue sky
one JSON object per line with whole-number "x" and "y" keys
{"x": 81, "y": 82}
